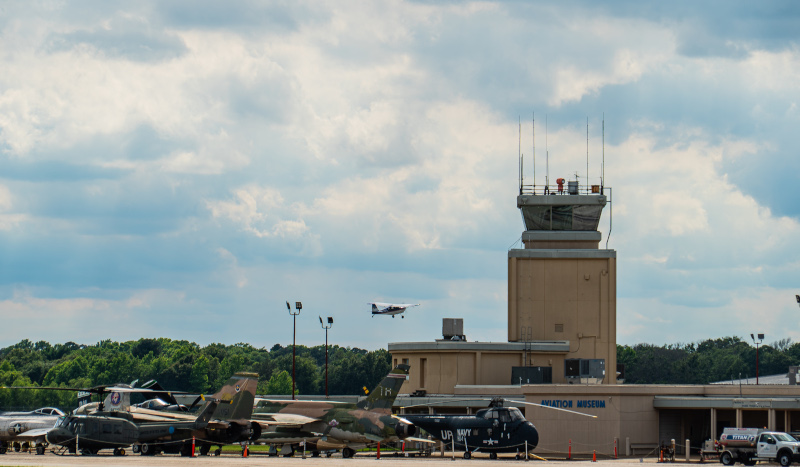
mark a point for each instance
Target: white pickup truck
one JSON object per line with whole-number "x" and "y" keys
{"x": 750, "y": 445}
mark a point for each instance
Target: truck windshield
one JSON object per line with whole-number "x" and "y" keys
{"x": 783, "y": 437}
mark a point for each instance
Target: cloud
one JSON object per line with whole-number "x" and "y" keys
{"x": 217, "y": 158}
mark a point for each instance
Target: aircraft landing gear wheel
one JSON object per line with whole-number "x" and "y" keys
{"x": 314, "y": 453}
{"x": 17, "y": 447}
{"x": 218, "y": 451}
{"x": 147, "y": 449}
{"x": 517, "y": 457}
{"x": 492, "y": 455}
{"x": 135, "y": 448}
{"x": 204, "y": 448}
{"x": 348, "y": 452}
{"x": 726, "y": 458}
{"x": 39, "y": 449}
{"x": 3, "y": 447}
{"x": 467, "y": 455}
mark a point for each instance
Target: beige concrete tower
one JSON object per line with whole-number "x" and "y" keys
{"x": 562, "y": 286}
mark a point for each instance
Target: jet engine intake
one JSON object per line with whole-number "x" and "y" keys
{"x": 405, "y": 430}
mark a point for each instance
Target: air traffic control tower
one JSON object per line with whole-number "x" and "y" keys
{"x": 562, "y": 285}
{"x": 561, "y": 306}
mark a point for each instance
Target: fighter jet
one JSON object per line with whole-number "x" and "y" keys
{"x": 16, "y": 428}
{"x": 227, "y": 422}
{"x": 392, "y": 309}
{"x": 326, "y": 425}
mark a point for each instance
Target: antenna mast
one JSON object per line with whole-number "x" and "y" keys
{"x": 603, "y": 165}
{"x": 519, "y": 154}
{"x": 533, "y": 129}
{"x": 587, "y": 154}
{"x": 547, "y": 159}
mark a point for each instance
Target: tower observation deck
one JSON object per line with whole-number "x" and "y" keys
{"x": 562, "y": 285}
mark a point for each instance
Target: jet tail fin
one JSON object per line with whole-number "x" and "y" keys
{"x": 207, "y": 413}
{"x": 383, "y": 396}
{"x": 237, "y": 397}
{"x": 375, "y": 308}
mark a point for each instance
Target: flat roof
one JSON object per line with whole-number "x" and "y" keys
{"x": 562, "y": 253}
{"x": 531, "y": 346}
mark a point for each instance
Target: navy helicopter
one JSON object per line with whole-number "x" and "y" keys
{"x": 496, "y": 429}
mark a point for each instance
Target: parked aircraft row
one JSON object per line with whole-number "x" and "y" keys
{"x": 235, "y": 415}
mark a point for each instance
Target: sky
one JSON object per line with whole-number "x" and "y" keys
{"x": 182, "y": 169}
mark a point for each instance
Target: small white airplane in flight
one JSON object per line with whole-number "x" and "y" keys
{"x": 379, "y": 308}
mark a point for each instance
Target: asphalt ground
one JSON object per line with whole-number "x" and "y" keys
{"x": 108, "y": 460}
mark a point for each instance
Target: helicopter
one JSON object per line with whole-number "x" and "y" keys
{"x": 114, "y": 423}
{"x": 496, "y": 429}
{"x": 116, "y": 430}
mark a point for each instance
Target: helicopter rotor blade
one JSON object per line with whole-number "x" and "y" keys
{"x": 554, "y": 408}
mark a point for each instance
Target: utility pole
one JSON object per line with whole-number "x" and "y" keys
{"x": 760, "y": 340}
{"x": 298, "y": 306}
{"x": 330, "y": 323}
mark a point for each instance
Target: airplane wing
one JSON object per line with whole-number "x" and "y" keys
{"x": 36, "y": 435}
{"x": 419, "y": 440}
{"x": 283, "y": 419}
{"x": 398, "y": 305}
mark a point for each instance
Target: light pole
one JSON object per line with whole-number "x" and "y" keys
{"x": 330, "y": 323}
{"x": 298, "y": 306}
{"x": 760, "y": 339}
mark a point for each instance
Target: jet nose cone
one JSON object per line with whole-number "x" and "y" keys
{"x": 531, "y": 435}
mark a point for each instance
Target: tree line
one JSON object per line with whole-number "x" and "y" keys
{"x": 185, "y": 366}
{"x": 711, "y": 360}
{"x": 180, "y": 365}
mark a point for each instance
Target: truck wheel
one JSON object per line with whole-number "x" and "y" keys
{"x": 726, "y": 458}
{"x": 785, "y": 459}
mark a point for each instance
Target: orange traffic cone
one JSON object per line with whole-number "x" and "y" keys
{"x": 594, "y": 456}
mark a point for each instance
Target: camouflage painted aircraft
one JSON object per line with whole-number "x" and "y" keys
{"x": 327, "y": 425}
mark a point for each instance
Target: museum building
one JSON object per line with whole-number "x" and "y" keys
{"x": 561, "y": 351}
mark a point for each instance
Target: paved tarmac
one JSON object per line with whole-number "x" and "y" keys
{"x": 49, "y": 459}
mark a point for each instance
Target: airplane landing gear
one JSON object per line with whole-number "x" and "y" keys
{"x": 348, "y": 453}
{"x": 467, "y": 455}
{"x": 492, "y": 455}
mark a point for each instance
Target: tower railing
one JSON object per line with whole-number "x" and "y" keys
{"x": 569, "y": 188}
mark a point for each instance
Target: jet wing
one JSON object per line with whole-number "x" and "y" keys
{"x": 36, "y": 435}
{"x": 283, "y": 419}
{"x": 147, "y": 415}
{"x": 419, "y": 440}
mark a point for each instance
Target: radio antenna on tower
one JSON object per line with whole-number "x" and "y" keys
{"x": 519, "y": 155}
{"x": 547, "y": 159}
